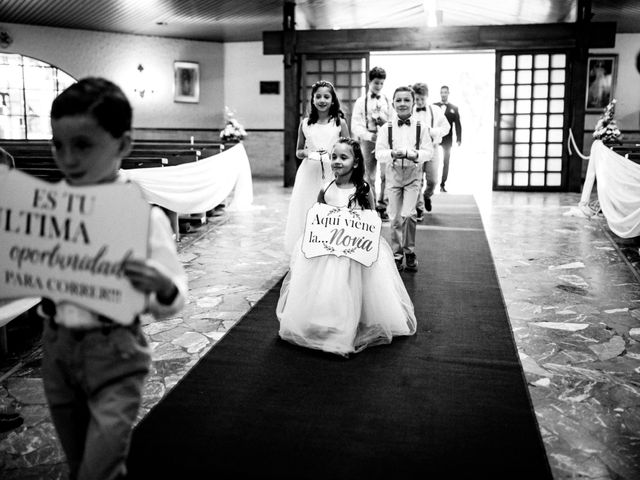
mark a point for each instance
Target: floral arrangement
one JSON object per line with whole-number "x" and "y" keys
{"x": 233, "y": 131}
{"x": 606, "y": 129}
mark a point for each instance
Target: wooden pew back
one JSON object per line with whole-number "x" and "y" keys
{"x": 35, "y": 156}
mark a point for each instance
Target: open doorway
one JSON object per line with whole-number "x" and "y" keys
{"x": 470, "y": 77}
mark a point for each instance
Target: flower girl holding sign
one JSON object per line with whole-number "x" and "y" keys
{"x": 332, "y": 302}
{"x": 317, "y": 133}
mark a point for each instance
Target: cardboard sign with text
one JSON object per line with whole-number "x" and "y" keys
{"x": 340, "y": 231}
{"x": 70, "y": 243}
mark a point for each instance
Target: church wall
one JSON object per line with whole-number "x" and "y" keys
{"x": 261, "y": 114}
{"x": 626, "y": 91}
{"x": 116, "y": 56}
{"x": 230, "y": 75}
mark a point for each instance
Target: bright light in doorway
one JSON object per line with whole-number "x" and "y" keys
{"x": 430, "y": 8}
{"x": 471, "y": 82}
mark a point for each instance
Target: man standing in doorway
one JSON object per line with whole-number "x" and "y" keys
{"x": 453, "y": 116}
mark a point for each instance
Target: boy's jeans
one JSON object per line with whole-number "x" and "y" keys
{"x": 93, "y": 381}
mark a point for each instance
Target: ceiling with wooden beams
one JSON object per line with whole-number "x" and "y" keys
{"x": 245, "y": 20}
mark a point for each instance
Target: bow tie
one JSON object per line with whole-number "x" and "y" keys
{"x": 406, "y": 122}
{"x": 375, "y": 96}
{"x": 421, "y": 109}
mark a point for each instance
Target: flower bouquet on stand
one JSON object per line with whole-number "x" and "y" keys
{"x": 233, "y": 131}
{"x": 607, "y": 129}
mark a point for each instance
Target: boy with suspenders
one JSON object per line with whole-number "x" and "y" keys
{"x": 402, "y": 147}
{"x": 370, "y": 112}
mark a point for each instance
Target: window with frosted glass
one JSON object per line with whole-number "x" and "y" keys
{"x": 348, "y": 76}
{"x": 27, "y": 88}
{"x": 531, "y": 119}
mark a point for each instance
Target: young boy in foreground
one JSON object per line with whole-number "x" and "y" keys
{"x": 94, "y": 367}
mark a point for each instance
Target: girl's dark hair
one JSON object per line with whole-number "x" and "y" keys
{"x": 98, "y": 97}
{"x": 361, "y": 195}
{"x": 334, "y": 110}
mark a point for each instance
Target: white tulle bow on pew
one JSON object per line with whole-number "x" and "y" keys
{"x": 618, "y": 190}
{"x": 199, "y": 186}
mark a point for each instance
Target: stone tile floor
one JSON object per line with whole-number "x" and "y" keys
{"x": 571, "y": 290}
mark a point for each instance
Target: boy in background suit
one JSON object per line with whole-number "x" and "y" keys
{"x": 437, "y": 126}
{"x": 370, "y": 111}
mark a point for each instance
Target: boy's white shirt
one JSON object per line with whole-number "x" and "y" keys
{"x": 441, "y": 125}
{"x": 403, "y": 138}
{"x": 162, "y": 254}
{"x": 359, "y": 122}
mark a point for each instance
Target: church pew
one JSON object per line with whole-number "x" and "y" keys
{"x": 629, "y": 150}
{"x": 144, "y": 162}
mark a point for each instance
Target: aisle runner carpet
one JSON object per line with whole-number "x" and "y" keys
{"x": 450, "y": 402}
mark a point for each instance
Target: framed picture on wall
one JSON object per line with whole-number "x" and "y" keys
{"x": 601, "y": 81}
{"x": 186, "y": 83}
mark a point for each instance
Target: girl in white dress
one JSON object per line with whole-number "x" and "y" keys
{"x": 316, "y": 135}
{"x": 336, "y": 304}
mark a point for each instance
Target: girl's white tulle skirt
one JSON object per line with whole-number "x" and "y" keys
{"x": 340, "y": 306}
{"x": 304, "y": 195}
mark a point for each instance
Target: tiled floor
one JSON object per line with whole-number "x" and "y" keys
{"x": 571, "y": 293}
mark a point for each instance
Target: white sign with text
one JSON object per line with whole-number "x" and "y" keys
{"x": 70, "y": 243}
{"x": 340, "y": 231}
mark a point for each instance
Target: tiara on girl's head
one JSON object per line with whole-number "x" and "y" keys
{"x": 322, "y": 83}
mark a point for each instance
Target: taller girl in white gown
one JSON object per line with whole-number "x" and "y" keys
{"x": 317, "y": 134}
{"x": 336, "y": 304}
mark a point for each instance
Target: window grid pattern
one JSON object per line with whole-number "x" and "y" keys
{"x": 27, "y": 88}
{"x": 348, "y": 74}
{"x": 530, "y": 116}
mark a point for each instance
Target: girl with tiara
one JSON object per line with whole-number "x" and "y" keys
{"x": 336, "y": 304}
{"x": 317, "y": 133}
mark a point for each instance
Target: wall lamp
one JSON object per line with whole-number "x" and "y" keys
{"x": 141, "y": 83}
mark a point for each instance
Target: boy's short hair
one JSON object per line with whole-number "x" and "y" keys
{"x": 404, "y": 88}
{"x": 99, "y": 97}
{"x": 444, "y": 86}
{"x": 377, "y": 72}
{"x": 420, "y": 88}
{"x": 6, "y": 158}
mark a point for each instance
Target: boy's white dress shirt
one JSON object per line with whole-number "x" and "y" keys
{"x": 364, "y": 128}
{"x": 404, "y": 138}
{"x": 440, "y": 123}
{"x": 163, "y": 254}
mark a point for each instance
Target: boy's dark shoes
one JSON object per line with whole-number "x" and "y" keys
{"x": 442, "y": 189}
{"x": 427, "y": 203}
{"x": 419, "y": 215}
{"x": 412, "y": 262}
{"x": 399, "y": 264}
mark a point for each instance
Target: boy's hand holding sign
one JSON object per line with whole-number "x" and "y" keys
{"x": 70, "y": 243}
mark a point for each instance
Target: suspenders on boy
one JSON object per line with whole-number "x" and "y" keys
{"x": 418, "y": 128}
{"x": 431, "y": 113}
